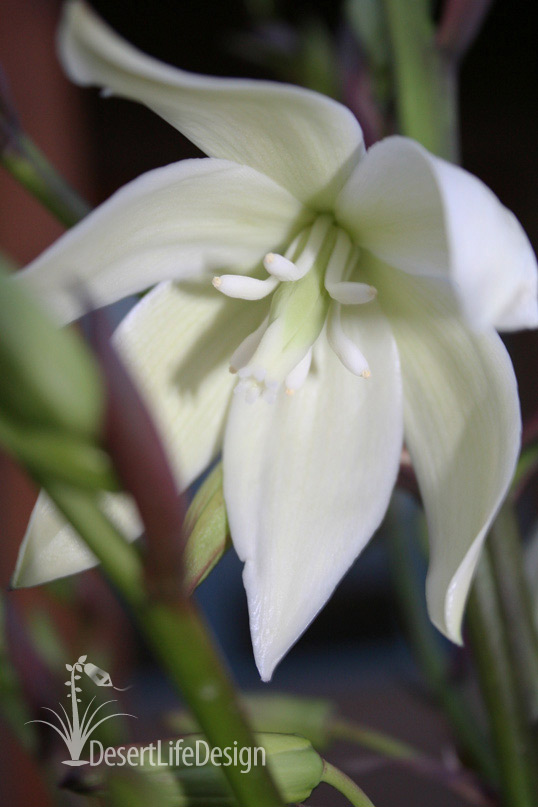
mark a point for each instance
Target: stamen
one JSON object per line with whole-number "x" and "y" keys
{"x": 338, "y": 261}
{"x": 351, "y": 293}
{"x": 342, "y": 259}
{"x": 243, "y": 354}
{"x": 298, "y": 375}
{"x": 346, "y": 350}
{"x": 245, "y": 288}
{"x": 317, "y": 236}
{"x": 281, "y": 268}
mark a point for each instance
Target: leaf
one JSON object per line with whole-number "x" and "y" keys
{"x": 206, "y": 526}
{"x": 68, "y": 667}
{"x": 82, "y": 659}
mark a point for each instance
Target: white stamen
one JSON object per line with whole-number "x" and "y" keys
{"x": 346, "y": 350}
{"x": 245, "y": 288}
{"x": 298, "y": 375}
{"x": 282, "y": 268}
{"x": 310, "y": 252}
{"x": 243, "y": 354}
{"x": 350, "y": 293}
{"x": 338, "y": 261}
{"x": 343, "y": 258}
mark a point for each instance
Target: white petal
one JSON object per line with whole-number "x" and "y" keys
{"x": 189, "y": 218}
{"x": 52, "y": 549}
{"x": 304, "y": 141}
{"x": 307, "y": 481}
{"x": 428, "y": 217}
{"x": 462, "y": 428}
{"x": 176, "y": 344}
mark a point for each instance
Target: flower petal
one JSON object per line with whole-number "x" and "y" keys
{"x": 307, "y": 481}
{"x": 51, "y": 548}
{"x": 428, "y": 217}
{"x": 176, "y": 344}
{"x": 175, "y": 222}
{"x": 304, "y": 141}
{"x": 462, "y": 428}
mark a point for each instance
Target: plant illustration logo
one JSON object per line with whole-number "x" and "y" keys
{"x": 74, "y": 730}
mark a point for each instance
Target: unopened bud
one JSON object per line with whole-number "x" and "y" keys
{"x": 185, "y": 772}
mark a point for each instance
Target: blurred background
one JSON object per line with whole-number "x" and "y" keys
{"x": 356, "y": 651}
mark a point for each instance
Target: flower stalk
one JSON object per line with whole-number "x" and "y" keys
{"x": 425, "y": 80}
{"x": 498, "y": 687}
{"x": 29, "y": 166}
{"x": 346, "y": 786}
{"x": 180, "y": 641}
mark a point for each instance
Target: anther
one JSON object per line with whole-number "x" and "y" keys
{"x": 243, "y": 287}
{"x": 346, "y": 350}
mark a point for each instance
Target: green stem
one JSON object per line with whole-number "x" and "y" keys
{"x": 373, "y": 740}
{"x": 498, "y": 688}
{"x": 346, "y": 786}
{"x": 30, "y": 167}
{"x": 179, "y": 639}
{"x": 425, "y": 80}
{"x": 426, "y": 646}
{"x": 516, "y": 605}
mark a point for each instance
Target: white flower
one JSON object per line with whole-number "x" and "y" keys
{"x": 370, "y": 285}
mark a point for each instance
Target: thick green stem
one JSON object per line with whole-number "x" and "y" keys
{"x": 346, "y": 786}
{"x": 179, "y": 639}
{"x": 425, "y": 80}
{"x": 498, "y": 688}
{"x": 30, "y": 167}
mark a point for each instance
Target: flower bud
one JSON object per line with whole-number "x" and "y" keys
{"x": 184, "y": 780}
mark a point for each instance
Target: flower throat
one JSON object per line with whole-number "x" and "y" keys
{"x": 309, "y": 285}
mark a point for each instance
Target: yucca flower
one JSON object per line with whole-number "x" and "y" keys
{"x": 355, "y": 297}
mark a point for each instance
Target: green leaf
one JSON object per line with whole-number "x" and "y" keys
{"x": 206, "y": 526}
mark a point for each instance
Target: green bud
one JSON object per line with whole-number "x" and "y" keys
{"x": 49, "y": 378}
{"x": 288, "y": 714}
{"x": 296, "y": 767}
{"x": 206, "y": 525}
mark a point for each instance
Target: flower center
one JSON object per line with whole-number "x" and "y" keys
{"x": 309, "y": 285}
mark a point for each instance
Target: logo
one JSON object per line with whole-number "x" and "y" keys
{"x": 75, "y": 730}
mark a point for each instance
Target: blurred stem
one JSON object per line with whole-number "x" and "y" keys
{"x": 498, "y": 687}
{"x": 373, "y": 740}
{"x": 426, "y": 646}
{"x": 425, "y": 80}
{"x": 26, "y": 163}
{"x": 516, "y": 605}
{"x": 179, "y": 639}
{"x": 346, "y": 786}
